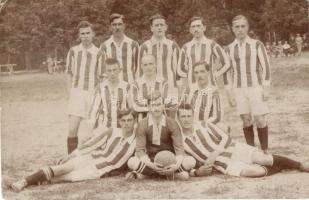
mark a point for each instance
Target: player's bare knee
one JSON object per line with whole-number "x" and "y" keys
{"x": 133, "y": 163}
{"x": 188, "y": 163}
{"x": 260, "y": 121}
{"x": 246, "y": 119}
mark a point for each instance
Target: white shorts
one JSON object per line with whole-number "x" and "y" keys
{"x": 84, "y": 169}
{"x": 80, "y": 102}
{"x": 241, "y": 158}
{"x": 250, "y": 100}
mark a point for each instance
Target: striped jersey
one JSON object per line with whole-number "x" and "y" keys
{"x": 142, "y": 89}
{"x": 166, "y": 53}
{"x": 206, "y": 103}
{"x": 85, "y": 66}
{"x": 109, "y": 101}
{"x": 205, "y": 140}
{"x": 250, "y": 64}
{"x": 207, "y": 50}
{"x": 126, "y": 53}
{"x": 109, "y": 150}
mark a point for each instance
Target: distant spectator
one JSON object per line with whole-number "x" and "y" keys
{"x": 273, "y": 50}
{"x": 299, "y": 43}
{"x": 280, "y": 49}
{"x": 50, "y": 64}
{"x": 286, "y": 48}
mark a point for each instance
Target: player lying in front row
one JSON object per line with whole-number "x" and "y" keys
{"x": 213, "y": 148}
{"x": 97, "y": 157}
{"x": 208, "y": 144}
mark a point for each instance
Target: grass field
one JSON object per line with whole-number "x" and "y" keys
{"x": 34, "y": 131}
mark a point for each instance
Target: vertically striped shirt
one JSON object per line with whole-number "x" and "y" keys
{"x": 250, "y": 64}
{"x": 109, "y": 102}
{"x": 142, "y": 89}
{"x": 166, "y": 53}
{"x": 207, "y": 50}
{"x": 126, "y": 54}
{"x": 206, "y": 103}
{"x": 85, "y": 66}
{"x": 205, "y": 140}
{"x": 110, "y": 150}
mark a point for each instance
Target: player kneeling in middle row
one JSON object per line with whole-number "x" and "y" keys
{"x": 154, "y": 134}
{"x": 97, "y": 157}
{"x": 212, "y": 147}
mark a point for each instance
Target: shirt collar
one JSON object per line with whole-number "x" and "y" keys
{"x": 155, "y": 41}
{"x": 105, "y": 84}
{"x": 246, "y": 41}
{"x": 151, "y": 121}
{"x": 125, "y": 39}
{"x": 202, "y": 41}
{"x": 91, "y": 49}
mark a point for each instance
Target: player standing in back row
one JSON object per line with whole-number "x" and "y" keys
{"x": 164, "y": 50}
{"x": 200, "y": 48}
{"x": 121, "y": 47}
{"x": 251, "y": 80}
{"x": 84, "y": 66}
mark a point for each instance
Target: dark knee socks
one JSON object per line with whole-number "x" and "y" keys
{"x": 249, "y": 135}
{"x": 281, "y": 163}
{"x": 44, "y": 174}
{"x": 72, "y": 143}
{"x": 263, "y": 137}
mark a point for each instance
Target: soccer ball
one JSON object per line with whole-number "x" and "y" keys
{"x": 165, "y": 158}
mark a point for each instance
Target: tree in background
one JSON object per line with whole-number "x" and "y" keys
{"x": 37, "y": 28}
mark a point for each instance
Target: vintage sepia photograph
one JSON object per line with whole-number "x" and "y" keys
{"x": 154, "y": 99}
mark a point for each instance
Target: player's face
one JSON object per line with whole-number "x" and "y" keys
{"x": 185, "y": 118}
{"x": 197, "y": 29}
{"x": 112, "y": 72}
{"x": 156, "y": 107}
{"x": 240, "y": 28}
{"x": 86, "y": 35}
{"x": 158, "y": 27}
{"x": 127, "y": 123}
{"x": 117, "y": 26}
{"x": 148, "y": 65}
{"x": 201, "y": 74}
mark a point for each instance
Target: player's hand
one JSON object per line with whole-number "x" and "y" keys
{"x": 265, "y": 93}
{"x": 155, "y": 167}
{"x": 169, "y": 169}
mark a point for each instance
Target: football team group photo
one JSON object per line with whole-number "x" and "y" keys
{"x": 152, "y": 100}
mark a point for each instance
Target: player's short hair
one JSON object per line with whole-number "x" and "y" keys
{"x": 84, "y": 24}
{"x": 194, "y": 18}
{"x": 156, "y": 16}
{"x": 112, "y": 61}
{"x": 240, "y": 17}
{"x": 122, "y": 113}
{"x": 206, "y": 65}
{"x": 184, "y": 106}
{"x": 114, "y": 16}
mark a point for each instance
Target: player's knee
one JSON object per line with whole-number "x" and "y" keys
{"x": 133, "y": 163}
{"x": 247, "y": 120}
{"x": 260, "y": 121}
{"x": 188, "y": 163}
